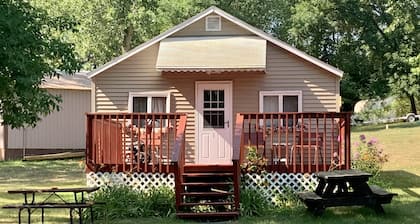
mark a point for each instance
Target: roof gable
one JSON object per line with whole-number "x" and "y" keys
{"x": 227, "y": 16}
{"x": 198, "y": 28}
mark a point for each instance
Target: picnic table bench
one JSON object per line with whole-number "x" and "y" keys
{"x": 31, "y": 204}
{"x": 345, "y": 188}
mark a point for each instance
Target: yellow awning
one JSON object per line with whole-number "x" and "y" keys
{"x": 220, "y": 53}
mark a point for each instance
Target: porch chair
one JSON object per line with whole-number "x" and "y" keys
{"x": 307, "y": 141}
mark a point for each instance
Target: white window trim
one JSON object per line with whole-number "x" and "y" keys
{"x": 220, "y": 23}
{"x": 280, "y": 94}
{"x": 149, "y": 96}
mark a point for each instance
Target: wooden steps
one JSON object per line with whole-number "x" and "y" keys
{"x": 207, "y": 203}
{"x": 206, "y": 174}
{"x": 208, "y": 215}
{"x": 207, "y": 193}
{"x": 207, "y": 184}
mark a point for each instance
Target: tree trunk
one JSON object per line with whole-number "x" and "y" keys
{"x": 128, "y": 36}
{"x": 413, "y": 104}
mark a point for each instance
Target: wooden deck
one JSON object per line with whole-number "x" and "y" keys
{"x": 289, "y": 142}
{"x": 295, "y": 142}
{"x": 135, "y": 142}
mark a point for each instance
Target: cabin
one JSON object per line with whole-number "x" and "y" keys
{"x": 185, "y": 109}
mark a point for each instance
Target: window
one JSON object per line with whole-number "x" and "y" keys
{"x": 213, "y": 108}
{"x": 149, "y": 102}
{"x": 280, "y": 101}
{"x": 213, "y": 23}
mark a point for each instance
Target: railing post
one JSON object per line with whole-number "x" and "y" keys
{"x": 236, "y": 158}
{"x": 347, "y": 141}
{"x": 89, "y": 149}
{"x": 178, "y": 159}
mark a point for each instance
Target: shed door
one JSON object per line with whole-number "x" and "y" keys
{"x": 214, "y": 122}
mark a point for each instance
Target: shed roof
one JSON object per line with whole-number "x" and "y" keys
{"x": 232, "y": 19}
{"x": 77, "y": 81}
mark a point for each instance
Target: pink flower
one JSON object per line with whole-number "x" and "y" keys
{"x": 356, "y": 155}
{"x": 373, "y": 141}
{"x": 362, "y": 138}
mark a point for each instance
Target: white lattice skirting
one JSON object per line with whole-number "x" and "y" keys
{"x": 271, "y": 184}
{"x": 138, "y": 181}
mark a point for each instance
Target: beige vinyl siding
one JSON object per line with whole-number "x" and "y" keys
{"x": 199, "y": 29}
{"x": 284, "y": 72}
{"x": 64, "y": 129}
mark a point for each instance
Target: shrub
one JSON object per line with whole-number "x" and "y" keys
{"x": 124, "y": 202}
{"x": 253, "y": 203}
{"x": 159, "y": 201}
{"x": 369, "y": 157}
{"x": 287, "y": 200}
{"x": 255, "y": 163}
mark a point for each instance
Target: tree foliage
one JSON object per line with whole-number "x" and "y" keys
{"x": 106, "y": 29}
{"x": 374, "y": 42}
{"x": 28, "y": 53}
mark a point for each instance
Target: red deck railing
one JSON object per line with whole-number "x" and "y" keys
{"x": 134, "y": 142}
{"x": 295, "y": 142}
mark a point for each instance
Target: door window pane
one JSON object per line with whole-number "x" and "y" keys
{"x": 206, "y": 95}
{"x": 214, "y": 99}
{"x": 213, "y": 113}
{"x": 214, "y": 119}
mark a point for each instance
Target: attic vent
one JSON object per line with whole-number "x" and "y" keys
{"x": 213, "y": 23}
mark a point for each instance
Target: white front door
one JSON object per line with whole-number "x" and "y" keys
{"x": 214, "y": 122}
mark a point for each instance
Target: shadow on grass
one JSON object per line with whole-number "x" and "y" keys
{"x": 403, "y": 180}
{"x": 399, "y": 211}
{"x": 377, "y": 127}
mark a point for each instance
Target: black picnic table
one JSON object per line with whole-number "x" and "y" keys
{"x": 345, "y": 188}
{"x": 31, "y": 203}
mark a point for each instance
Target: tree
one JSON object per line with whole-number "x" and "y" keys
{"x": 107, "y": 29}
{"x": 403, "y": 59}
{"x": 271, "y": 16}
{"x": 29, "y": 52}
{"x": 374, "y": 42}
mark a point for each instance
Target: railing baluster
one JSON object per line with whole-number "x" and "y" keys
{"x": 317, "y": 142}
{"x": 332, "y": 138}
{"x": 310, "y": 144}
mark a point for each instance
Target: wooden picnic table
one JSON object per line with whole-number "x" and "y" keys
{"x": 31, "y": 203}
{"x": 345, "y": 188}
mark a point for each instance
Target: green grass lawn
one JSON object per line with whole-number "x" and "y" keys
{"x": 401, "y": 141}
